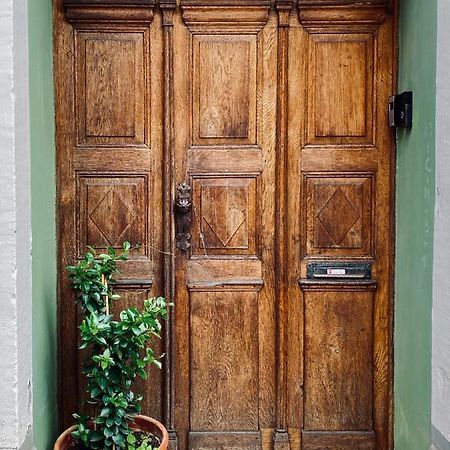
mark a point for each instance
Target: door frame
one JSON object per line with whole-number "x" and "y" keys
{"x": 79, "y": 10}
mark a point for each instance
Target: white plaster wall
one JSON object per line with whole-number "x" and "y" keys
{"x": 441, "y": 271}
{"x": 15, "y": 230}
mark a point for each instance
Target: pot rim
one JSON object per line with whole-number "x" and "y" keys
{"x": 164, "y": 439}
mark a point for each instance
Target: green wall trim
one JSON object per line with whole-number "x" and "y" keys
{"x": 415, "y": 186}
{"x": 43, "y": 190}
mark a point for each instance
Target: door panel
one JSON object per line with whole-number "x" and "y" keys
{"x": 225, "y": 101}
{"x": 344, "y": 181}
{"x": 108, "y": 105}
{"x": 273, "y": 112}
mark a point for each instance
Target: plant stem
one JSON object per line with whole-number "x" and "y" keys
{"x": 105, "y": 283}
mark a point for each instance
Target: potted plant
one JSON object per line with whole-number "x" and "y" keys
{"x": 118, "y": 351}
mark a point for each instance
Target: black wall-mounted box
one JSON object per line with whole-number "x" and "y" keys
{"x": 400, "y": 110}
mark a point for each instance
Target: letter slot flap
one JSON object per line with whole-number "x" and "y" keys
{"x": 339, "y": 270}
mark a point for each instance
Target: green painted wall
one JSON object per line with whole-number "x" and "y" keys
{"x": 415, "y": 213}
{"x": 43, "y": 222}
{"x": 415, "y": 208}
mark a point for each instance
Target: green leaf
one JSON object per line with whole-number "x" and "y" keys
{"x": 105, "y": 412}
{"x": 95, "y": 392}
{"x": 117, "y": 420}
{"x": 119, "y": 439}
{"x": 157, "y": 363}
{"x": 96, "y": 436}
{"x": 131, "y": 439}
{"x": 142, "y": 373}
{"x": 108, "y": 432}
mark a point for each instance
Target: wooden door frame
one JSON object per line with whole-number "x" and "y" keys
{"x": 314, "y": 12}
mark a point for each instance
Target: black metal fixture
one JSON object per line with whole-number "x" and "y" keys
{"x": 400, "y": 110}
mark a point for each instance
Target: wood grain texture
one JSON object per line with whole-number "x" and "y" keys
{"x": 339, "y": 215}
{"x": 281, "y": 438}
{"x": 225, "y": 100}
{"x": 225, "y": 441}
{"x": 340, "y": 89}
{"x": 224, "y": 89}
{"x": 109, "y": 11}
{"x": 314, "y": 440}
{"x": 368, "y": 155}
{"x": 274, "y": 112}
{"x": 106, "y": 151}
{"x": 168, "y": 182}
{"x": 338, "y": 360}
{"x": 100, "y": 198}
{"x": 230, "y": 16}
{"x": 224, "y": 386}
{"x": 111, "y": 100}
{"x": 343, "y": 14}
{"x": 224, "y": 216}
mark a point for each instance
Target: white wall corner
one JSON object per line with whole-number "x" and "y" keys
{"x": 439, "y": 442}
{"x": 441, "y": 266}
{"x": 15, "y": 230}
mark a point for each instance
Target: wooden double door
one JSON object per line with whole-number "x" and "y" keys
{"x": 243, "y": 147}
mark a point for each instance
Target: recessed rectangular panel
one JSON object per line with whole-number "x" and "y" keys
{"x": 242, "y": 440}
{"x": 224, "y": 216}
{"x": 224, "y": 360}
{"x": 224, "y": 93}
{"x": 338, "y": 360}
{"x": 335, "y": 440}
{"x": 340, "y": 98}
{"x": 339, "y": 215}
{"x": 110, "y": 88}
{"x": 112, "y": 209}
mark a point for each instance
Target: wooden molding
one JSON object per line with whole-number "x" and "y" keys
{"x": 326, "y": 13}
{"x": 284, "y": 8}
{"x": 134, "y": 12}
{"x": 334, "y": 285}
{"x": 228, "y": 16}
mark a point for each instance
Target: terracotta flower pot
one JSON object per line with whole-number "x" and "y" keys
{"x": 142, "y": 423}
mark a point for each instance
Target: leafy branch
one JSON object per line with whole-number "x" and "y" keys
{"x": 119, "y": 351}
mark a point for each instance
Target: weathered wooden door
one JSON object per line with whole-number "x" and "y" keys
{"x": 244, "y": 145}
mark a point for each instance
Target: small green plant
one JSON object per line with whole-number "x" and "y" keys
{"x": 118, "y": 352}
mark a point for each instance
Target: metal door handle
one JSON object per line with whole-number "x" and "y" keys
{"x": 183, "y": 216}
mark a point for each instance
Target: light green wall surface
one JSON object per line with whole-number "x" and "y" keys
{"x": 43, "y": 222}
{"x": 415, "y": 214}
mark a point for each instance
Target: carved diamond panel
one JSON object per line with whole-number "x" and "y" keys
{"x": 107, "y": 208}
{"x": 338, "y": 204}
{"x": 339, "y": 215}
{"x": 112, "y": 210}
{"x": 224, "y": 217}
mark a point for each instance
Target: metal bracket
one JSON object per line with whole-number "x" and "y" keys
{"x": 183, "y": 216}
